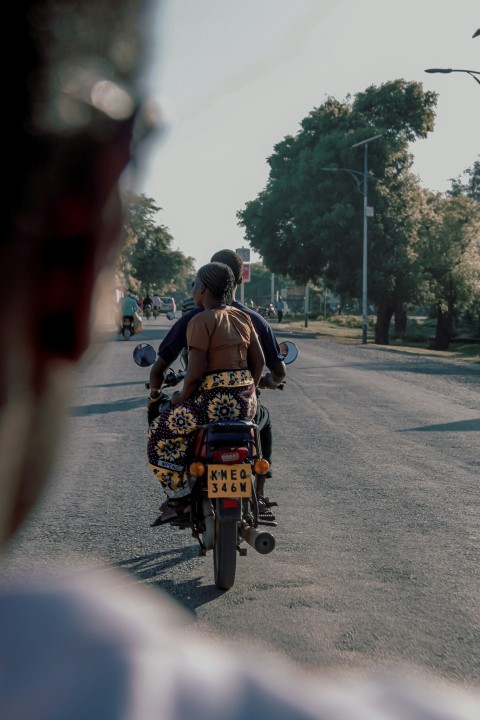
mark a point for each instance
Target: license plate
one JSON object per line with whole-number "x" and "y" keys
{"x": 229, "y": 481}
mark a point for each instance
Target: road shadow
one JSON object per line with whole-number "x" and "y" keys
{"x": 136, "y": 383}
{"x": 153, "y": 336}
{"x": 105, "y": 408}
{"x": 459, "y": 426}
{"x": 190, "y": 593}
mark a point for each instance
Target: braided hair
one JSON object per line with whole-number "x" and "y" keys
{"x": 219, "y": 279}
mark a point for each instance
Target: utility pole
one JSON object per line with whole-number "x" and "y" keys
{"x": 367, "y": 212}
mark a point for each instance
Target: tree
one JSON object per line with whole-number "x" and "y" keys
{"x": 306, "y": 223}
{"x": 259, "y": 289}
{"x": 147, "y": 259}
{"x": 470, "y": 188}
{"x": 450, "y": 252}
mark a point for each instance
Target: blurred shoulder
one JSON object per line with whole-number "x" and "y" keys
{"x": 188, "y": 304}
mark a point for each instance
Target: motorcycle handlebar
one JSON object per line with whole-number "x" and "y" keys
{"x": 171, "y": 379}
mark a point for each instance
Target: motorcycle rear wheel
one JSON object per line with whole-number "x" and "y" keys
{"x": 225, "y": 554}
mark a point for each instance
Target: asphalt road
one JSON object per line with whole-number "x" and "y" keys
{"x": 377, "y": 465}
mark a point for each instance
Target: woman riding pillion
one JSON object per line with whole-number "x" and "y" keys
{"x": 225, "y": 363}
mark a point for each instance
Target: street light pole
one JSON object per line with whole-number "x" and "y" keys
{"x": 366, "y": 212}
{"x": 446, "y": 71}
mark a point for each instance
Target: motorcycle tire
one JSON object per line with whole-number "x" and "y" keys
{"x": 225, "y": 554}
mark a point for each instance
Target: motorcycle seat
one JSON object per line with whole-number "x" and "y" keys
{"x": 240, "y": 433}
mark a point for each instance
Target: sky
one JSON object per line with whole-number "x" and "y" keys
{"x": 233, "y": 78}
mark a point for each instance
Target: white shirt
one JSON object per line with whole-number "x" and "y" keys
{"x": 97, "y": 646}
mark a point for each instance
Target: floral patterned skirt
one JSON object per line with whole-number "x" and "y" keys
{"x": 222, "y": 395}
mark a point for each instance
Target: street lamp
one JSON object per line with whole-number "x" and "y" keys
{"x": 446, "y": 71}
{"x": 367, "y": 212}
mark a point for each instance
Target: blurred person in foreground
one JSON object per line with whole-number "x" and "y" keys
{"x": 93, "y": 645}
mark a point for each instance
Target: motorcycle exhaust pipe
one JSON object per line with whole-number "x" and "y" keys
{"x": 263, "y": 542}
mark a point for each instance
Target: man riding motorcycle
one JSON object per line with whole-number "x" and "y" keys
{"x": 147, "y": 305}
{"x": 129, "y": 307}
{"x": 156, "y": 305}
{"x": 175, "y": 341}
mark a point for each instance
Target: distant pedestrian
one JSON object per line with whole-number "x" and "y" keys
{"x": 281, "y": 307}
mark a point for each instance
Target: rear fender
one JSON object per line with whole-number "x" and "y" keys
{"x": 228, "y": 513}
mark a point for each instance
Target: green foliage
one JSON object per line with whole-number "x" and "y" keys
{"x": 417, "y": 331}
{"x": 350, "y": 321}
{"x": 469, "y": 188}
{"x": 307, "y": 223}
{"x": 450, "y": 253}
{"x": 259, "y": 289}
{"x": 147, "y": 260}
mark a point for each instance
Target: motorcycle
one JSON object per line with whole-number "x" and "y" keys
{"x": 156, "y": 311}
{"x": 266, "y": 312}
{"x": 147, "y": 311}
{"x": 127, "y": 329}
{"x": 225, "y": 459}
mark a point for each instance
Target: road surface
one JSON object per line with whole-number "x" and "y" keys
{"x": 376, "y": 472}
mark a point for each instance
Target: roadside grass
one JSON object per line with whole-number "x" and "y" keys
{"x": 348, "y": 329}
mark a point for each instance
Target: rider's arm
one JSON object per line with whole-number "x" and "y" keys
{"x": 275, "y": 377}
{"x": 169, "y": 350}
{"x": 171, "y": 347}
{"x": 157, "y": 375}
{"x": 193, "y": 378}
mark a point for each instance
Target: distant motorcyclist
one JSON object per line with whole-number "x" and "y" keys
{"x": 129, "y": 306}
{"x": 147, "y": 305}
{"x": 156, "y": 304}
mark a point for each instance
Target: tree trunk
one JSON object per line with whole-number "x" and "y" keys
{"x": 384, "y": 316}
{"x": 444, "y": 331}
{"x": 400, "y": 319}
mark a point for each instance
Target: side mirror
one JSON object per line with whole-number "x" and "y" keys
{"x": 170, "y": 315}
{"x": 289, "y": 351}
{"x": 144, "y": 355}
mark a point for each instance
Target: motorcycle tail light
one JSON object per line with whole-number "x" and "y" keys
{"x": 229, "y": 455}
{"x": 261, "y": 466}
{"x": 229, "y": 503}
{"x": 197, "y": 469}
